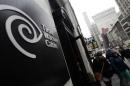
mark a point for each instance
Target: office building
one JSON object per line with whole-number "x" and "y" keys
{"x": 105, "y": 19}
{"x": 93, "y": 29}
{"x": 124, "y": 6}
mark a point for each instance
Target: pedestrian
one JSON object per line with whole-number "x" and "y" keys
{"x": 102, "y": 69}
{"x": 125, "y": 53}
{"x": 120, "y": 68}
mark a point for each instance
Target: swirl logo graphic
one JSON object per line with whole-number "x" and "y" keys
{"x": 30, "y": 26}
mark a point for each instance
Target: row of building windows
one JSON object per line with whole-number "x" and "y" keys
{"x": 124, "y": 6}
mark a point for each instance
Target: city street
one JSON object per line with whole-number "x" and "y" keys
{"x": 65, "y": 42}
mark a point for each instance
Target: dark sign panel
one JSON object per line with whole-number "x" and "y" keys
{"x": 30, "y": 50}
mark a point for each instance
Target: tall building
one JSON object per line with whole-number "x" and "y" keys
{"x": 87, "y": 20}
{"x": 124, "y": 19}
{"x": 104, "y": 22}
{"x": 105, "y": 19}
{"x": 124, "y": 6}
{"x": 93, "y": 29}
{"x": 124, "y": 23}
{"x": 96, "y": 34}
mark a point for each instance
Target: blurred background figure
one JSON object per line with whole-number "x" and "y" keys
{"x": 102, "y": 66}
{"x": 125, "y": 52}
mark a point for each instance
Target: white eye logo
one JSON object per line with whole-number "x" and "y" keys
{"x": 29, "y": 26}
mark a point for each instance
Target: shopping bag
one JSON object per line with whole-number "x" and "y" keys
{"x": 98, "y": 76}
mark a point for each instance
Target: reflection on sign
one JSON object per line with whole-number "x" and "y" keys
{"x": 50, "y": 40}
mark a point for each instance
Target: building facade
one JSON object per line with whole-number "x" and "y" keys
{"x": 125, "y": 22}
{"x": 124, "y": 18}
{"x": 124, "y": 6}
{"x": 93, "y": 29}
{"x": 117, "y": 35}
{"x": 105, "y": 19}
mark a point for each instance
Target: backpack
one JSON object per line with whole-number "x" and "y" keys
{"x": 118, "y": 64}
{"x": 109, "y": 70}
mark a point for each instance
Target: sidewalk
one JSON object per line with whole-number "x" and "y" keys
{"x": 115, "y": 81}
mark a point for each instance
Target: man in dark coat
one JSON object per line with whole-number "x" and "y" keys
{"x": 124, "y": 52}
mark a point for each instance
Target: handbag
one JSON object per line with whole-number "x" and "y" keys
{"x": 98, "y": 75}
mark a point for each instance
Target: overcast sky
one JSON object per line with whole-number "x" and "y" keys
{"x": 91, "y": 7}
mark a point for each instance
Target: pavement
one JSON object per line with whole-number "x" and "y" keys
{"x": 115, "y": 81}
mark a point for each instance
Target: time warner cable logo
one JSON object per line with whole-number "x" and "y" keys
{"x": 31, "y": 28}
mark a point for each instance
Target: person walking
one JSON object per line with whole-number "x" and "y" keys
{"x": 125, "y": 53}
{"x": 120, "y": 68}
{"x": 102, "y": 69}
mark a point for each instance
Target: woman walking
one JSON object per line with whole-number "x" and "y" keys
{"x": 102, "y": 69}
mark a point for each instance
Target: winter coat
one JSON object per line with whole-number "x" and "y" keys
{"x": 118, "y": 64}
{"x": 125, "y": 53}
{"x": 98, "y": 64}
